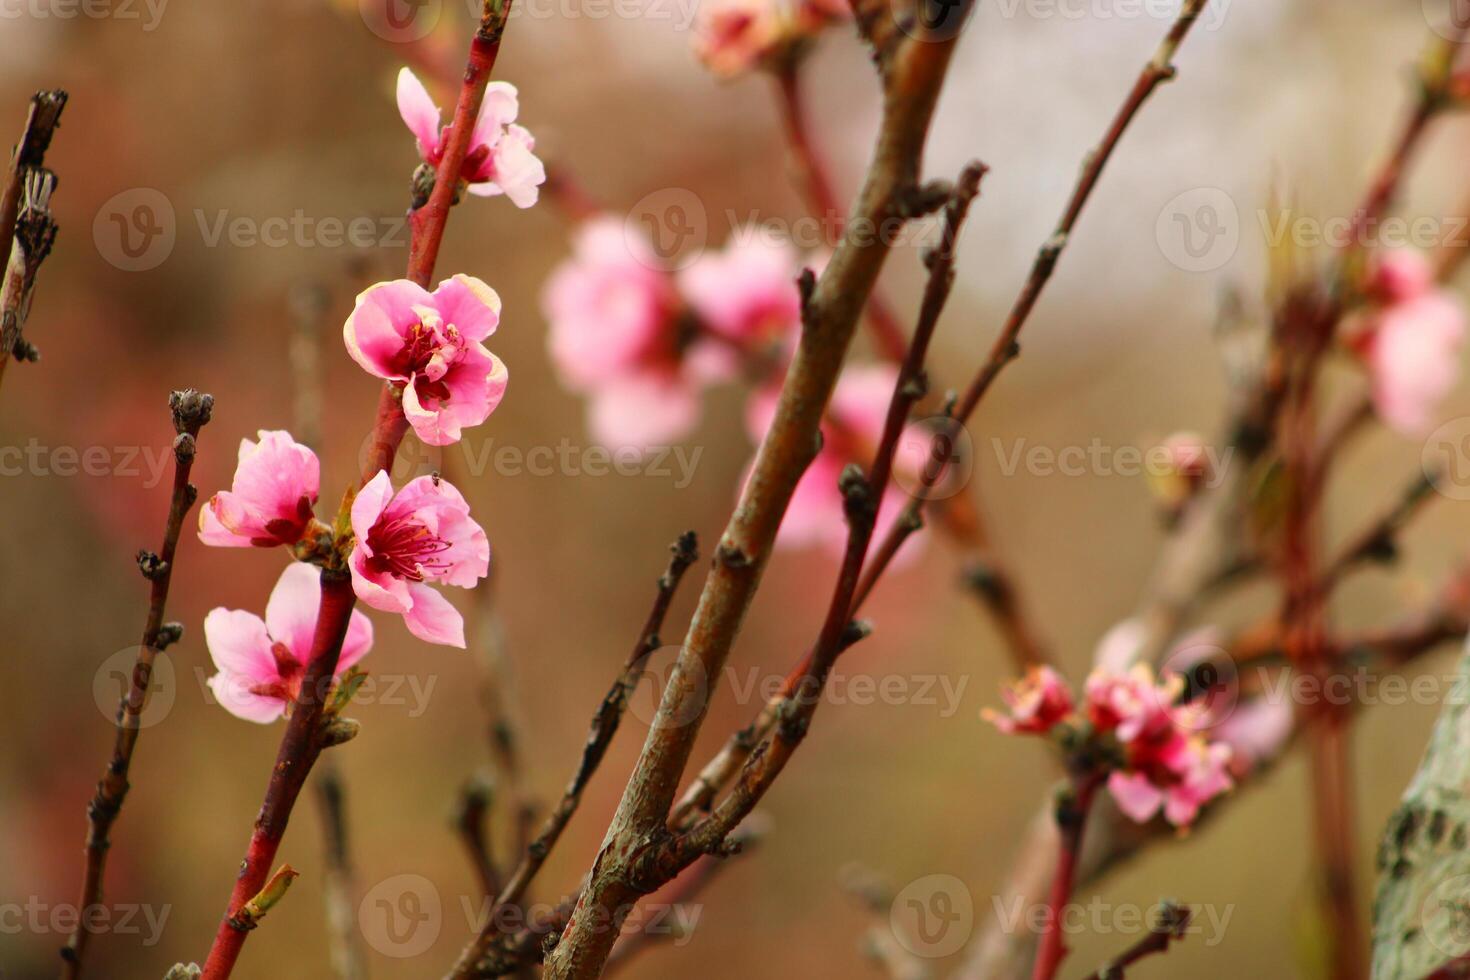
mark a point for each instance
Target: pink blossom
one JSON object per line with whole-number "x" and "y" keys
{"x": 1035, "y": 703}
{"x": 1413, "y": 352}
{"x": 747, "y": 291}
{"x": 500, "y": 158}
{"x": 1166, "y": 764}
{"x": 733, "y": 36}
{"x": 422, "y": 534}
{"x": 851, "y": 432}
{"x": 1401, "y": 274}
{"x": 611, "y": 308}
{"x": 619, "y": 334}
{"x": 261, "y": 662}
{"x": 430, "y": 345}
{"x": 271, "y": 498}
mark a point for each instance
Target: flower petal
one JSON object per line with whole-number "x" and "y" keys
{"x": 419, "y": 113}
{"x": 433, "y": 618}
{"x": 239, "y": 644}
{"x": 291, "y": 612}
{"x": 1138, "y": 798}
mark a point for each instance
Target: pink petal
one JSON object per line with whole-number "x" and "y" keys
{"x": 358, "y": 642}
{"x": 375, "y": 330}
{"x": 860, "y": 400}
{"x": 377, "y": 589}
{"x": 433, "y": 618}
{"x": 419, "y": 112}
{"x": 476, "y": 385}
{"x": 1138, "y": 798}
{"x": 239, "y": 644}
{"x": 469, "y": 304}
{"x": 518, "y": 173}
{"x": 234, "y": 695}
{"x": 291, "y": 612}
{"x": 369, "y": 505}
{"x": 642, "y": 412}
{"x": 498, "y": 110}
{"x": 747, "y": 291}
{"x": 212, "y": 532}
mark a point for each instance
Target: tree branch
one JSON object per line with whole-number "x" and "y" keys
{"x": 913, "y": 68}
{"x": 190, "y": 411}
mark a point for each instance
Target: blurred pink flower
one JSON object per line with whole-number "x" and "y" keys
{"x": 620, "y": 335}
{"x": 746, "y": 292}
{"x": 429, "y": 343}
{"x": 500, "y": 158}
{"x": 1034, "y": 704}
{"x": 404, "y": 541}
{"x": 1400, "y": 274}
{"x": 261, "y": 663}
{"x": 270, "y": 499}
{"x": 733, "y": 36}
{"x": 851, "y": 432}
{"x": 611, "y": 307}
{"x": 1256, "y": 731}
{"x": 1413, "y": 352}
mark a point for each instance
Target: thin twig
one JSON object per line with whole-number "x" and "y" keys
{"x": 804, "y": 682}
{"x": 1006, "y": 347}
{"x": 471, "y": 818}
{"x": 339, "y": 888}
{"x": 1072, "y": 808}
{"x": 913, "y": 68}
{"x": 190, "y": 411}
{"x": 604, "y": 726}
{"x": 1172, "y": 923}
{"x": 821, "y": 198}
{"x": 42, "y": 118}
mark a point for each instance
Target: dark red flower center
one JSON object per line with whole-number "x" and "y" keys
{"x": 405, "y": 548}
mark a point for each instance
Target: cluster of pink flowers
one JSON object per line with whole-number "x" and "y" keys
{"x": 428, "y": 347}
{"x": 501, "y": 158}
{"x": 1410, "y": 341}
{"x": 1160, "y": 758}
{"x": 734, "y": 36}
{"x": 641, "y": 340}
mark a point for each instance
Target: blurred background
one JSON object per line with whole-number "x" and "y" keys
{"x": 283, "y": 111}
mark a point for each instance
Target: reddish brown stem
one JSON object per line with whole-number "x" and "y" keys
{"x": 299, "y": 749}
{"x": 822, "y": 202}
{"x": 191, "y": 411}
{"x": 1072, "y": 811}
{"x": 428, "y": 221}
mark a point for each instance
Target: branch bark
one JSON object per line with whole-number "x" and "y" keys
{"x": 191, "y": 411}
{"x": 913, "y": 68}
